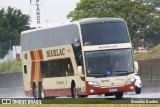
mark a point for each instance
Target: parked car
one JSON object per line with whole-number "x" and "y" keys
{"x": 138, "y": 84}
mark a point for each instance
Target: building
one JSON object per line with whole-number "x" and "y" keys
{"x": 15, "y": 53}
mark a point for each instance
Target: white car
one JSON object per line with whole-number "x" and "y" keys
{"x": 138, "y": 84}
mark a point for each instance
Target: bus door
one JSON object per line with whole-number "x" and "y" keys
{"x": 26, "y": 75}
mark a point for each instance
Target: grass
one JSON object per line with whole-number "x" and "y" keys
{"x": 10, "y": 67}
{"x": 86, "y": 105}
{"x": 77, "y": 101}
{"x": 151, "y": 54}
{"x": 94, "y": 102}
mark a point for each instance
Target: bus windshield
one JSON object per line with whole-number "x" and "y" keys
{"x": 104, "y": 33}
{"x": 109, "y": 63}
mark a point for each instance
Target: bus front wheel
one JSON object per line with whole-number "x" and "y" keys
{"x": 137, "y": 90}
{"x": 119, "y": 95}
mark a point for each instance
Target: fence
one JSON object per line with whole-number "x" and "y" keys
{"x": 149, "y": 69}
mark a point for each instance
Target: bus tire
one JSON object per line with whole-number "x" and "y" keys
{"x": 137, "y": 90}
{"x": 83, "y": 96}
{"x": 34, "y": 89}
{"x": 74, "y": 90}
{"x": 109, "y": 94}
{"x": 40, "y": 91}
{"x": 119, "y": 95}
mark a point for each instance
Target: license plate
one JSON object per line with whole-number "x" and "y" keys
{"x": 112, "y": 89}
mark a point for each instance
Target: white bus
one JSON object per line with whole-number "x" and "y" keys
{"x": 86, "y": 57}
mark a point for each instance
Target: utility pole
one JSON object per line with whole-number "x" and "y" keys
{"x": 10, "y": 43}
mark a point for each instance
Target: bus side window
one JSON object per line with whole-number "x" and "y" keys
{"x": 70, "y": 68}
{"x": 25, "y": 69}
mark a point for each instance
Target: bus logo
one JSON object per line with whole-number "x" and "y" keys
{"x": 56, "y": 52}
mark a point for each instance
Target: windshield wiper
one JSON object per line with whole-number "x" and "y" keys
{"x": 120, "y": 72}
{"x": 98, "y": 74}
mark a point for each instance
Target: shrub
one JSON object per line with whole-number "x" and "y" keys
{"x": 10, "y": 67}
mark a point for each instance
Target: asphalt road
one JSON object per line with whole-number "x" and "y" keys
{"x": 11, "y": 86}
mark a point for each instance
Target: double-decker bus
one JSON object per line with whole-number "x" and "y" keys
{"x": 87, "y": 57}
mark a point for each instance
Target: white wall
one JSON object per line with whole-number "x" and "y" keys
{"x": 12, "y": 54}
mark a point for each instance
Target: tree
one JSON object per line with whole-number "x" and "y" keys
{"x": 150, "y": 2}
{"x": 12, "y": 23}
{"x": 141, "y": 16}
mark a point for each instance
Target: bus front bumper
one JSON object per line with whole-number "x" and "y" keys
{"x": 91, "y": 90}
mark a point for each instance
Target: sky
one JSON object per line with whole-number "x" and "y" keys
{"x": 51, "y": 11}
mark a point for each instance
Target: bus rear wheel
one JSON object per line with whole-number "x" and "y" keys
{"x": 119, "y": 95}
{"x": 34, "y": 89}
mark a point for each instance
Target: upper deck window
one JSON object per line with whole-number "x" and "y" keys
{"x": 104, "y": 33}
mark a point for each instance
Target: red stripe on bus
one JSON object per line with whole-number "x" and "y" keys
{"x": 36, "y": 54}
{"x": 56, "y": 92}
{"x": 36, "y": 75}
{"x": 61, "y": 92}
{"x": 40, "y": 54}
{"x": 40, "y": 74}
{"x": 32, "y": 73}
{"x": 32, "y": 55}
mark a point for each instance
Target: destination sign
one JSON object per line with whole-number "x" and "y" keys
{"x": 108, "y": 46}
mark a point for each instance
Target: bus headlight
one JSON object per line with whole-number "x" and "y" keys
{"x": 129, "y": 81}
{"x": 93, "y": 83}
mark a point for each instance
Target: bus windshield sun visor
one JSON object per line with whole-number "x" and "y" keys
{"x": 104, "y": 33}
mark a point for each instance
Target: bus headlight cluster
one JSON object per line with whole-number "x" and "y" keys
{"x": 93, "y": 83}
{"x": 129, "y": 81}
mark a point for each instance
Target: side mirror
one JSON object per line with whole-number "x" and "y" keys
{"x": 69, "y": 67}
{"x": 136, "y": 67}
{"x": 80, "y": 71}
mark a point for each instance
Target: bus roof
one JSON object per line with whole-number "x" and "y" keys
{"x": 82, "y": 21}
{"x": 97, "y": 20}
{"x": 57, "y": 35}
{"x": 39, "y": 29}
{"x": 47, "y": 37}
